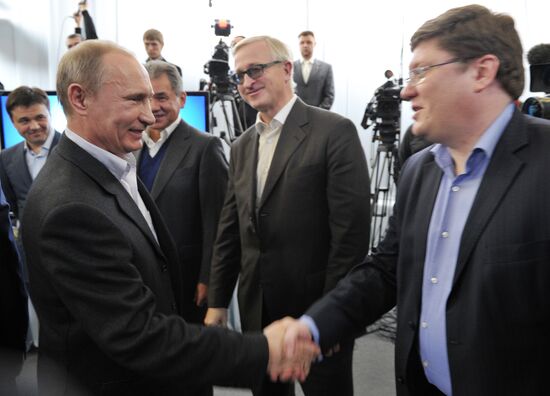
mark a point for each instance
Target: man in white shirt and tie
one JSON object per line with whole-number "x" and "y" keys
{"x": 313, "y": 77}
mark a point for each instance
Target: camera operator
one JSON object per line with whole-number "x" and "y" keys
{"x": 89, "y": 28}
{"x": 539, "y": 61}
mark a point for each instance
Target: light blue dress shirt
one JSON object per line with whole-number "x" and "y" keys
{"x": 454, "y": 200}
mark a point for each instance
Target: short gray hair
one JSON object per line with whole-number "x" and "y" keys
{"x": 84, "y": 65}
{"x": 157, "y": 68}
{"x": 279, "y": 50}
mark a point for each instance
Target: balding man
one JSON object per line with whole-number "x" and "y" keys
{"x": 103, "y": 269}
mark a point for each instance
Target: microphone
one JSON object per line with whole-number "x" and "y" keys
{"x": 539, "y": 54}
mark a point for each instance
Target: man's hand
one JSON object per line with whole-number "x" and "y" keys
{"x": 77, "y": 18}
{"x": 290, "y": 362}
{"x": 201, "y": 294}
{"x": 216, "y": 317}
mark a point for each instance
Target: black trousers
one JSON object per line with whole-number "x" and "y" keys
{"x": 332, "y": 376}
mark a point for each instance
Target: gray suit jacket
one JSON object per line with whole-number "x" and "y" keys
{"x": 106, "y": 292}
{"x": 319, "y": 90}
{"x": 15, "y": 177}
{"x": 189, "y": 189}
{"x": 310, "y": 227}
{"x": 498, "y": 311}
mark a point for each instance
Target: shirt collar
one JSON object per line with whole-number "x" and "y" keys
{"x": 118, "y": 166}
{"x": 279, "y": 119}
{"x": 310, "y": 60}
{"x": 486, "y": 143}
{"x": 164, "y": 134}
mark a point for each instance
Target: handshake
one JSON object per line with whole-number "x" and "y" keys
{"x": 291, "y": 348}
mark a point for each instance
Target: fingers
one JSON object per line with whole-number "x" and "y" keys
{"x": 291, "y": 350}
{"x": 216, "y": 317}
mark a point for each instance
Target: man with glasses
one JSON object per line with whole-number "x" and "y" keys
{"x": 296, "y": 212}
{"x": 466, "y": 254}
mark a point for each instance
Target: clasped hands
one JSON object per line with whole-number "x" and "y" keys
{"x": 291, "y": 348}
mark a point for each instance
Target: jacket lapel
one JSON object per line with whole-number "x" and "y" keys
{"x": 105, "y": 179}
{"x": 499, "y": 176}
{"x": 21, "y": 168}
{"x": 291, "y": 137}
{"x": 178, "y": 147}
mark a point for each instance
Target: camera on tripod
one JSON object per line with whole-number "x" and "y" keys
{"x": 384, "y": 111}
{"x": 224, "y": 95}
{"x": 539, "y": 60}
{"x": 218, "y": 67}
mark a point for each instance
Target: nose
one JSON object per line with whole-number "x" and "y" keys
{"x": 146, "y": 115}
{"x": 408, "y": 92}
{"x": 34, "y": 125}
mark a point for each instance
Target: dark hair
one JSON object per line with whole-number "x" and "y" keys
{"x": 473, "y": 31}
{"x": 306, "y": 33}
{"x": 153, "y": 35}
{"x": 26, "y": 96}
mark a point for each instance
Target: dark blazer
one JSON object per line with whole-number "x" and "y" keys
{"x": 310, "y": 227}
{"x": 498, "y": 311}
{"x": 189, "y": 189}
{"x": 106, "y": 292}
{"x": 319, "y": 90}
{"x": 15, "y": 177}
{"x": 13, "y": 305}
{"x": 13, "y": 297}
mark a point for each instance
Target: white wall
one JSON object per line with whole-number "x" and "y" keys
{"x": 360, "y": 39}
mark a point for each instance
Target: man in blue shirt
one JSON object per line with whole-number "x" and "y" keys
{"x": 467, "y": 251}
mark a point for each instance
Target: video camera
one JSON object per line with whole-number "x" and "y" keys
{"x": 539, "y": 60}
{"x": 384, "y": 111}
{"x": 218, "y": 67}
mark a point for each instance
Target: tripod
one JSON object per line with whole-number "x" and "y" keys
{"x": 224, "y": 102}
{"x": 382, "y": 186}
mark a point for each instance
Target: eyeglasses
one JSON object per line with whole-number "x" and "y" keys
{"x": 254, "y": 72}
{"x": 418, "y": 75}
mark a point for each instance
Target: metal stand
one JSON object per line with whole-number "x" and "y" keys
{"x": 233, "y": 124}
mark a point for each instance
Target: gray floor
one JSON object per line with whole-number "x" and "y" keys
{"x": 372, "y": 370}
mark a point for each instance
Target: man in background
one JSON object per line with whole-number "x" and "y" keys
{"x": 154, "y": 43}
{"x": 466, "y": 253}
{"x": 185, "y": 171}
{"x": 29, "y": 111}
{"x": 296, "y": 213}
{"x": 313, "y": 77}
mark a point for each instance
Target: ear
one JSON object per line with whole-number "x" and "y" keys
{"x": 78, "y": 98}
{"x": 182, "y": 98}
{"x": 288, "y": 68}
{"x": 486, "y": 68}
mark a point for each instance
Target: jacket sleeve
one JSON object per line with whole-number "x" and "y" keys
{"x": 212, "y": 186}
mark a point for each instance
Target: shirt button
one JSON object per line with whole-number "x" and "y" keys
{"x": 425, "y": 363}
{"x": 444, "y": 234}
{"x": 434, "y": 280}
{"x": 424, "y": 324}
{"x": 455, "y": 188}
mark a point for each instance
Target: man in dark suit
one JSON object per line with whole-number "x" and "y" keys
{"x": 466, "y": 254}
{"x": 186, "y": 172}
{"x": 104, "y": 273}
{"x": 296, "y": 212}
{"x": 313, "y": 77}
{"x": 13, "y": 306}
{"x": 29, "y": 110}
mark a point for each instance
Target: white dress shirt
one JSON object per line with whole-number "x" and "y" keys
{"x": 153, "y": 146}
{"x": 268, "y": 138}
{"x": 124, "y": 169}
{"x": 36, "y": 161}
